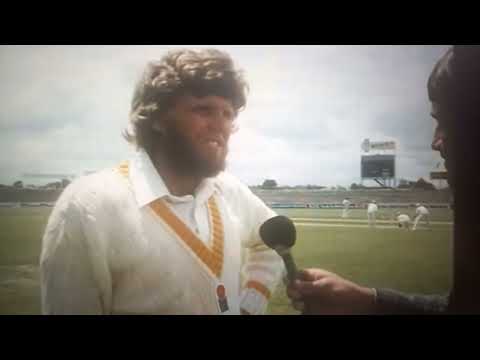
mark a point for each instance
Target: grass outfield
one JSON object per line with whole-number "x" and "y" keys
{"x": 411, "y": 261}
{"x": 20, "y": 246}
{"x": 417, "y": 261}
{"x": 436, "y": 214}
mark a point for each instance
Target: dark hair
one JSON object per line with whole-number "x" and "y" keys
{"x": 454, "y": 82}
{"x": 440, "y": 80}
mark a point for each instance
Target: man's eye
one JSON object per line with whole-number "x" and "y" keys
{"x": 206, "y": 110}
{"x": 202, "y": 109}
{"x": 229, "y": 115}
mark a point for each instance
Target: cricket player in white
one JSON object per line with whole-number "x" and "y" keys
{"x": 403, "y": 221}
{"x": 168, "y": 231}
{"x": 422, "y": 212}
{"x": 346, "y": 206}
{"x": 372, "y": 213}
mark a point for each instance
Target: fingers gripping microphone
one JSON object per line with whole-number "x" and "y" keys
{"x": 279, "y": 234}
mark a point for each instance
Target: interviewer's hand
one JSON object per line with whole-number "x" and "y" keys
{"x": 326, "y": 293}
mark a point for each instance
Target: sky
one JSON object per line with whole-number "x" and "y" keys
{"x": 63, "y": 109}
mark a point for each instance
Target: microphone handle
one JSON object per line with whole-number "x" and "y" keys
{"x": 292, "y": 274}
{"x": 290, "y": 266}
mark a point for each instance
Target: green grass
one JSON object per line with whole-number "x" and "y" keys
{"x": 436, "y": 214}
{"x": 418, "y": 262}
{"x": 409, "y": 261}
{"x": 20, "y": 246}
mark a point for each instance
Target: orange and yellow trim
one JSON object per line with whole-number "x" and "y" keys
{"x": 212, "y": 258}
{"x": 258, "y": 286}
{"x": 123, "y": 168}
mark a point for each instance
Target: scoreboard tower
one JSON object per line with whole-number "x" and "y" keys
{"x": 378, "y": 162}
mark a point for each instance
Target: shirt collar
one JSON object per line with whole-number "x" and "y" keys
{"x": 149, "y": 186}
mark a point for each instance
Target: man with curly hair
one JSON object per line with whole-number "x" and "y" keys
{"x": 168, "y": 231}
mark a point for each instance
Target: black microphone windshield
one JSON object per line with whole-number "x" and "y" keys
{"x": 278, "y": 231}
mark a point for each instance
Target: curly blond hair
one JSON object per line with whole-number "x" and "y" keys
{"x": 198, "y": 73}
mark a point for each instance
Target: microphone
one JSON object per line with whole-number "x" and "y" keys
{"x": 279, "y": 233}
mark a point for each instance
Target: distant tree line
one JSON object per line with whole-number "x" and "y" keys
{"x": 420, "y": 184}
{"x": 53, "y": 185}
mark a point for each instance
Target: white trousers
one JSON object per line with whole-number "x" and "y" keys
{"x": 371, "y": 219}
{"x": 417, "y": 220}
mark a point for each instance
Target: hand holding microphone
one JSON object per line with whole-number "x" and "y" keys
{"x": 317, "y": 291}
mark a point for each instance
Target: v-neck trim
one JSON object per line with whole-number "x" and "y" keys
{"x": 211, "y": 256}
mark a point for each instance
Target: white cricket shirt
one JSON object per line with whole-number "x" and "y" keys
{"x": 117, "y": 242}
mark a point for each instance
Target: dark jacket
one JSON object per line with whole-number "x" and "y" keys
{"x": 395, "y": 302}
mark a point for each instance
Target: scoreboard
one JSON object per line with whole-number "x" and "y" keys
{"x": 378, "y": 166}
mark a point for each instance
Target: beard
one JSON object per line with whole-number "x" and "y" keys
{"x": 451, "y": 177}
{"x": 183, "y": 156}
{"x": 449, "y": 165}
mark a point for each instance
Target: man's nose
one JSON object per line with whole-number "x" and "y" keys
{"x": 437, "y": 143}
{"x": 219, "y": 121}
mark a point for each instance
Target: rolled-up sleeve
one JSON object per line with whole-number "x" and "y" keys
{"x": 263, "y": 267}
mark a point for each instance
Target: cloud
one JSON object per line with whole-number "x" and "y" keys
{"x": 63, "y": 108}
